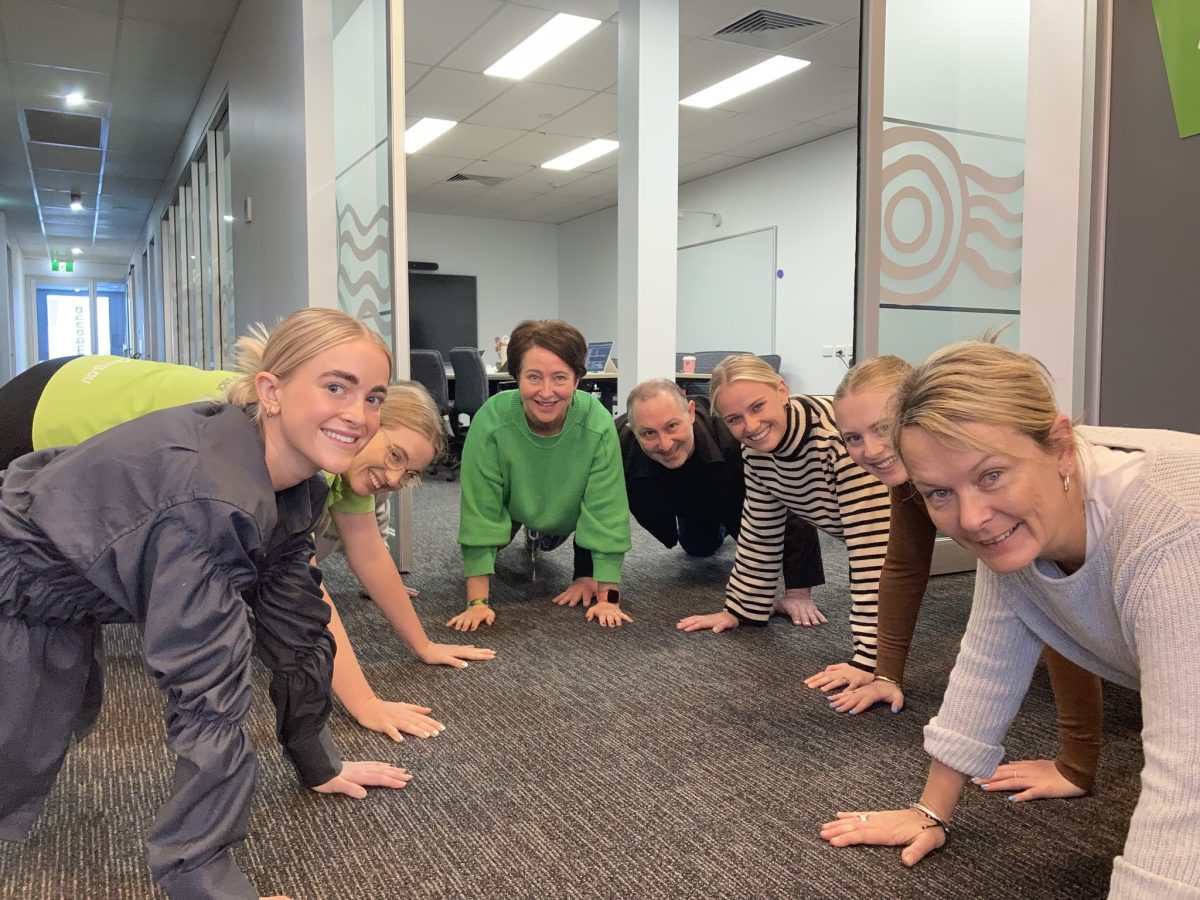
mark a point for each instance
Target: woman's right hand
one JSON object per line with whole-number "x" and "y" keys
{"x": 860, "y": 699}
{"x": 907, "y": 828}
{"x": 715, "y": 622}
{"x": 472, "y": 617}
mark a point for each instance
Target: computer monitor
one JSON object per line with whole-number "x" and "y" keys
{"x": 597, "y": 355}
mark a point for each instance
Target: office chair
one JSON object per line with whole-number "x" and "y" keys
{"x": 772, "y": 359}
{"x": 470, "y": 388}
{"x": 706, "y": 361}
{"x": 427, "y": 369}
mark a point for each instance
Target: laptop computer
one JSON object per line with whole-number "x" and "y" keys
{"x": 598, "y": 353}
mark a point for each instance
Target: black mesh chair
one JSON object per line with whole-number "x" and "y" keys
{"x": 428, "y": 370}
{"x": 470, "y": 386}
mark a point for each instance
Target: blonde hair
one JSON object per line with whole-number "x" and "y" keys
{"x": 980, "y": 383}
{"x": 741, "y": 367}
{"x": 409, "y": 405}
{"x": 294, "y": 341}
{"x": 880, "y": 372}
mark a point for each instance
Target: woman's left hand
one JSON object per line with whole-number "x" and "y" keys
{"x": 1032, "y": 779}
{"x": 608, "y": 614}
{"x": 390, "y": 718}
{"x": 454, "y": 654}
{"x": 905, "y": 828}
{"x": 356, "y": 777}
{"x": 839, "y": 675}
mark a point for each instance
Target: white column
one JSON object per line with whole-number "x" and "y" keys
{"x": 1058, "y": 177}
{"x": 321, "y": 200}
{"x": 647, "y": 189}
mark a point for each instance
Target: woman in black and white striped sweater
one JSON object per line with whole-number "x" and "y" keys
{"x": 796, "y": 461}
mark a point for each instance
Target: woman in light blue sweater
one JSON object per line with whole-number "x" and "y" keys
{"x": 1090, "y": 543}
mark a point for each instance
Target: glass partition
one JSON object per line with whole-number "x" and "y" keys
{"x": 947, "y": 170}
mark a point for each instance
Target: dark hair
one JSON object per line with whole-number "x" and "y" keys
{"x": 559, "y": 337}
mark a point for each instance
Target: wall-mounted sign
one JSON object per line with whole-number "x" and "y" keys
{"x": 62, "y": 265}
{"x": 1179, "y": 33}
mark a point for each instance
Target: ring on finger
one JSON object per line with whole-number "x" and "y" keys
{"x": 862, "y": 817}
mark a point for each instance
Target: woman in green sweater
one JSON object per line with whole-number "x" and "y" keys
{"x": 545, "y": 456}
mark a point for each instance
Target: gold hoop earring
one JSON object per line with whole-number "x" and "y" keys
{"x": 1066, "y": 484}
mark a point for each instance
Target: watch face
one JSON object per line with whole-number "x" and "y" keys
{"x": 614, "y": 596}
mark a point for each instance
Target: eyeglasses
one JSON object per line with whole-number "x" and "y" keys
{"x": 396, "y": 460}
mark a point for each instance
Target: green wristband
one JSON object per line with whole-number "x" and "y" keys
{"x": 478, "y": 601}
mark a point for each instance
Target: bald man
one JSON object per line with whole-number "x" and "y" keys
{"x": 683, "y": 475}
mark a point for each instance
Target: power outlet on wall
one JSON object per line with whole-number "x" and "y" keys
{"x": 841, "y": 351}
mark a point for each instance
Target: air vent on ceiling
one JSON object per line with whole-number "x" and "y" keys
{"x": 67, "y": 129}
{"x": 769, "y": 30}
{"x": 485, "y": 180}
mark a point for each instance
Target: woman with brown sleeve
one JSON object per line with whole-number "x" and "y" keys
{"x": 862, "y": 403}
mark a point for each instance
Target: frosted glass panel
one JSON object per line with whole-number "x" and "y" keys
{"x": 952, "y": 172}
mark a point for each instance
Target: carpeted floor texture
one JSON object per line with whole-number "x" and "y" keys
{"x": 586, "y": 762}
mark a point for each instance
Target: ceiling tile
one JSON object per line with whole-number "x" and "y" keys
{"x": 205, "y": 15}
{"x": 163, "y": 53}
{"x": 535, "y": 148}
{"x": 495, "y": 199}
{"x": 593, "y": 9}
{"x": 164, "y": 102}
{"x": 708, "y": 166}
{"x": 134, "y": 188}
{"x": 423, "y": 170}
{"x": 503, "y": 31}
{"x": 65, "y": 159}
{"x": 468, "y": 141}
{"x": 127, "y": 133}
{"x": 71, "y": 129}
{"x": 593, "y": 118}
{"x": 413, "y": 73}
{"x": 810, "y": 93}
{"x": 67, "y": 181}
{"x": 590, "y": 186}
{"x": 59, "y": 36}
{"x": 451, "y": 94}
{"x": 842, "y": 119}
{"x": 692, "y": 120}
{"x": 835, "y": 47}
{"x": 528, "y": 106}
{"x": 539, "y": 180}
{"x": 703, "y": 63}
{"x": 14, "y": 174}
{"x": 587, "y": 207}
{"x": 725, "y": 135}
{"x": 553, "y": 202}
{"x": 704, "y": 17}
{"x": 137, "y": 165}
{"x": 431, "y": 30}
{"x": 590, "y": 64}
{"x": 497, "y": 170}
{"x": 782, "y": 140}
{"x": 44, "y": 87}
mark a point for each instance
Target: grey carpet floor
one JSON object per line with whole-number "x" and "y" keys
{"x": 591, "y": 763}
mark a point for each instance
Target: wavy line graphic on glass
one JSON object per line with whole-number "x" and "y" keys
{"x": 954, "y": 202}
{"x": 360, "y": 255}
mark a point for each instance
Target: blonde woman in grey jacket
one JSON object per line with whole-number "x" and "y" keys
{"x": 1090, "y": 543}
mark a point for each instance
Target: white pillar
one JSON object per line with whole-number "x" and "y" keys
{"x": 1058, "y": 180}
{"x": 647, "y": 189}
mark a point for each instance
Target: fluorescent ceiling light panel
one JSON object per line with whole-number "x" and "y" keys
{"x": 425, "y": 131}
{"x": 76, "y": 250}
{"x": 75, "y": 98}
{"x": 542, "y": 46}
{"x": 736, "y": 85}
{"x": 580, "y": 155}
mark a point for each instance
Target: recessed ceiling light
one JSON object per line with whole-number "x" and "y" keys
{"x": 424, "y": 131}
{"x": 227, "y": 217}
{"x": 736, "y": 85}
{"x": 75, "y": 98}
{"x": 76, "y": 250}
{"x": 76, "y": 203}
{"x": 542, "y": 46}
{"x": 581, "y": 155}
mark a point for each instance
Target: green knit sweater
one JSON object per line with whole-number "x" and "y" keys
{"x": 570, "y": 482}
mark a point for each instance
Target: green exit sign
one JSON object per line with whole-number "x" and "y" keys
{"x": 62, "y": 265}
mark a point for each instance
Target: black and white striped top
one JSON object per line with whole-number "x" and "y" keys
{"x": 811, "y": 474}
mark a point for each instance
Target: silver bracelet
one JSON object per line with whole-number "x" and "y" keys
{"x": 888, "y": 680}
{"x": 929, "y": 813}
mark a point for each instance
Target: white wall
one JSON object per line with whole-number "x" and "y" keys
{"x": 808, "y": 193}
{"x": 262, "y": 66}
{"x": 515, "y": 264}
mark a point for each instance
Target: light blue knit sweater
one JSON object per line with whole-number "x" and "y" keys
{"x": 1131, "y": 614}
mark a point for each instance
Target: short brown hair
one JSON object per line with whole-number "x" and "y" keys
{"x": 560, "y": 338}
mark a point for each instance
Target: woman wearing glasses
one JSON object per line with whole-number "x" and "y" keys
{"x": 63, "y": 402}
